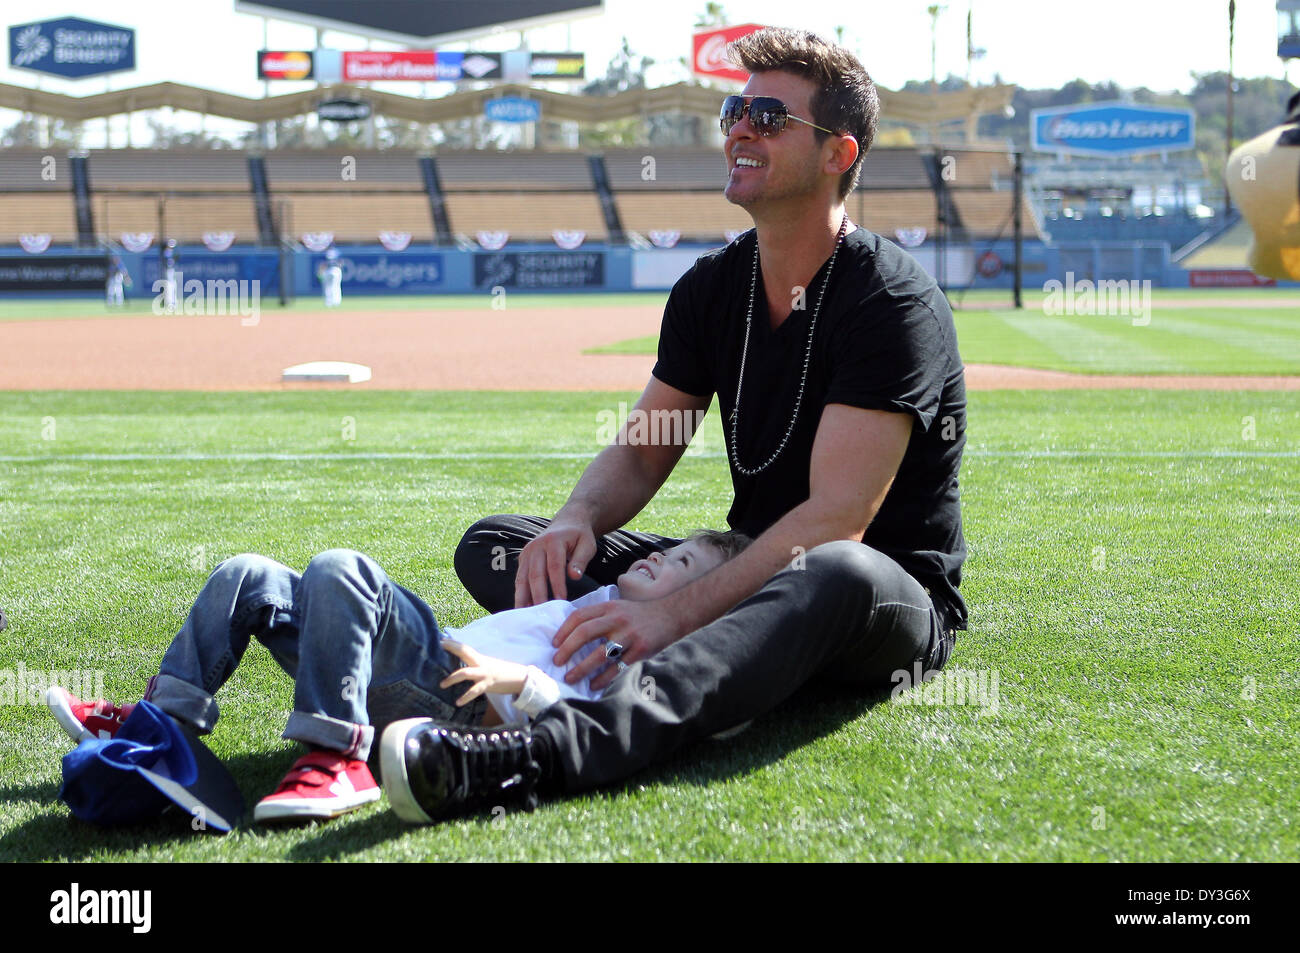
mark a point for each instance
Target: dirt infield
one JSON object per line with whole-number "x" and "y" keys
{"x": 483, "y": 349}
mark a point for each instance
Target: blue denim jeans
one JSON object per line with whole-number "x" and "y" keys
{"x": 362, "y": 650}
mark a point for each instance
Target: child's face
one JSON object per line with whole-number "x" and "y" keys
{"x": 668, "y": 571}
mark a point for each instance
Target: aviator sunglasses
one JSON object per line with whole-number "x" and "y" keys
{"x": 767, "y": 114}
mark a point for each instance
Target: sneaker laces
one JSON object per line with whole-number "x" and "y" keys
{"x": 497, "y": 766}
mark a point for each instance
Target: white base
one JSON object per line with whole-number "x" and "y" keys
{"x": 334, "y": 371}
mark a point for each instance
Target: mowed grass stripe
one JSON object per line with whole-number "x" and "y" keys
{"x": 1216, "y": 340}
{"x": 1093, "y": 343}
{"x": 1278, "y": 343}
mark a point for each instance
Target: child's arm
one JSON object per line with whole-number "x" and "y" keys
{"x": 533, "y": 689}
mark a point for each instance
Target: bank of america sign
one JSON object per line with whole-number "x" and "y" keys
{"x": 1112, "y": 129}
{"x": 71, "y": 47}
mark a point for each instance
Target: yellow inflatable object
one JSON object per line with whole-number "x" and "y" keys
{"x": 1263, "y": 178}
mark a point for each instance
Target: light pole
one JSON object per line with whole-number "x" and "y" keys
{"x": 1232, "y": 26}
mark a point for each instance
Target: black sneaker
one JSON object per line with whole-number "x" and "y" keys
{"x": 431, "y": 771}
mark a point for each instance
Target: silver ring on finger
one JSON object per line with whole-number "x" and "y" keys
{"x": 613, "y": 651}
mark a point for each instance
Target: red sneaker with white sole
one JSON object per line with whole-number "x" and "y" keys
{"x": 81, "y": 719}
{"x": 321, "y": 784}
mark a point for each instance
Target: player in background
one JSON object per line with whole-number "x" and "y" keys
{"x": 330, "y": 273}
{"x": 170, "y": 269}
{"x": 117, "y": 277}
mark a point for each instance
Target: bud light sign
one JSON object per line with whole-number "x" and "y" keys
{"x": 513, "y": 109}
{"x": 71, "y": 47}
{"x": 1112, "y": 129}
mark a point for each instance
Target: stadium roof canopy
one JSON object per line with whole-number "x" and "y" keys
{"x": 906, "y": 107}
{"x": 422, "y": 21}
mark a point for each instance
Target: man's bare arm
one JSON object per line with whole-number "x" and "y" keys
{"x": 855, "y": 457}
{"x": 611, "y": 491}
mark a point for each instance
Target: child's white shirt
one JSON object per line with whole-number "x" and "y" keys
{"x": 524, "y": 636}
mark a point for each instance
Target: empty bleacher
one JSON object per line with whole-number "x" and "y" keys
{"x": 350, "y": 171}
{"x": 353, "y": 195}
{"x": 677, "y": 169}
{"x": 37, "y": 213}
{"x": 527, "y": 216}
{"x": 36, "y": 196}
{"x": 884, "y": 212}
{"x": 162, "y": 170}
{"x": 697, "y": 215}
{"x": 978, "y": 170}
{"x": 513, "y": 172}
{"x": 893, "y": 169}
{"x": 988, "y": 214}
{"x": 351, "y": 216}
{"x": 529, "y": 195}
{"x": 26, "y": 170}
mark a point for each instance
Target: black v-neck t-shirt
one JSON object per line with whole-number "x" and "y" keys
{"x": 884, "y": 340}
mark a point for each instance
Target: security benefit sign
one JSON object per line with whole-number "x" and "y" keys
{"x": 540, "y": 270}
{"x": 1112, "y": 129}
{"x": 47, "y": 273}
{"x": 71, "y": 47}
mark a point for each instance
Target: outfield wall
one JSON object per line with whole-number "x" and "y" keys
{"x": 371, "y": 270}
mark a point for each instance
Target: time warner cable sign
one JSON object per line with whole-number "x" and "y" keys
{"x": 1112, "y": 129}
{"x": 71, "y": 47}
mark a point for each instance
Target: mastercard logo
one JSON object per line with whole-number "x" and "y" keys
{"x": 296, "y": 65}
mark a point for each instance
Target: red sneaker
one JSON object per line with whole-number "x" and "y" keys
{"x": 320, "y": 784}
{"x": 82, "y": 720}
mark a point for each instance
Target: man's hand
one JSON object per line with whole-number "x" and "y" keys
{"x": 565, "y": 547}
{"x": 642, "y": 628}
{"x": 486, "y": 674}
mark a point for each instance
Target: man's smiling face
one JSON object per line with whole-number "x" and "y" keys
{"x": 662, "y": 573}
{"x": 783, "y": 166}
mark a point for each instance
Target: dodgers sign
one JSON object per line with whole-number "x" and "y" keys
{"x": 71, "y": 47}
{"x": 1112, "y": 129}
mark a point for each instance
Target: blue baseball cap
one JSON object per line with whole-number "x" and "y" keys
{"x": 151, "y": 763}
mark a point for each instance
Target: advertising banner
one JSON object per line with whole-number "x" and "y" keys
{"x": 372, "y": 66}
{"x": 285, "y": 64}
{"x": 343, "y": 110}
{"x": 540, "y": 270}
{"x": 1112, "y": 129}
{"x": 709, "y": 51}
{"x": 205, "y": 267}
{"x": 49, "y": 273}
{"x": 558, "y": 66}
{"x": 71, "y": 47}
{"x": 512, "y": 109}
{"x": 370, "y": 272}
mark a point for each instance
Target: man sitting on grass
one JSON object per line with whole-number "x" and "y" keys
{"x": 365, "y": 652}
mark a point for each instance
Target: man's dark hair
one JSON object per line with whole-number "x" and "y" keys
{"x": 845, "y": 98}
{"x": 728, "y": 542}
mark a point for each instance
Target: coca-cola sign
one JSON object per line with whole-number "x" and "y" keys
{"x": 709, "y": 51}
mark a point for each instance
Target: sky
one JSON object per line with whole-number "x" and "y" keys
{"x": 1043, "y": 44}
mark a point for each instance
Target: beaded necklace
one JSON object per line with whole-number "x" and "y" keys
{"x": 807, "y": 357}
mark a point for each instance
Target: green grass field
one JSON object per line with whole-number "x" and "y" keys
{"x": 1206, "y": 338}
{"x": 1131, "y": 583}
